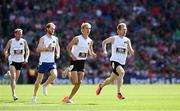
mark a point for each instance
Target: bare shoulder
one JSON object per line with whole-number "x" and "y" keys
{"x": 128, "y": 39}
{"x": 10, "y": 41}
{"x": 111, "y": 39}
{"x": 75, "y": 38}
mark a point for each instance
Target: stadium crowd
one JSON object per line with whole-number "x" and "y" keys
{"x": 153, "y": 27}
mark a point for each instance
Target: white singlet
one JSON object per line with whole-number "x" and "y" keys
{"x": 17, "y": 48}
{"x": 119, "y": 49}
{"x": 49, "y": 56}
{"x": 80, "y": 50}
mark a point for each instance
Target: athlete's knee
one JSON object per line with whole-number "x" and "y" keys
{"x": 38, "y": 81}
{"x": 13, "y": 76}
{"x": 110, "y": 80}
{"x": 55, "y": 75}
{"x": 74, "y": 82}
{"x": 120, "y": 71}
{"x": 79, "y": 82}
{"x": 77, "y": 85}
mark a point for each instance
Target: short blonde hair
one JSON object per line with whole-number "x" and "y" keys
{"x": 120, "y": 25}
{"x": 18, "y": 30}
{"x": 85, "y": 24}
{"x": 50, "y": 24}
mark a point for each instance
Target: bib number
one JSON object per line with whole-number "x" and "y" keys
{"x": 121, "y": 50}
{"x": 82, "y": 55}
{"x": 18, "y": 52}
{"x": 52, "y": 49}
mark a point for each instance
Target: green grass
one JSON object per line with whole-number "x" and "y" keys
{"x": 138, "y": 98}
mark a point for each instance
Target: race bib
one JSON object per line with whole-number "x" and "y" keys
{"x": 52, "y": 49}
{"x": 18, "y": 52}
{"x": 82, "y": 55}
{"x": 121, "y": 50}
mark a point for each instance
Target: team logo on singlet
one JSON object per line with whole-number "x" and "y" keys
{"x": 21, "y": 43}
{"x": 54, "y": 42}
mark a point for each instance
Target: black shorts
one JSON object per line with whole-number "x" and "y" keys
{"x": 77, "y": 65}
{"x": 115, "y": 65}
{"x": 17, "y": 65}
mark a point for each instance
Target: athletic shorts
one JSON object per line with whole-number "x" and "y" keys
{"x": 44, "y": 66}
{"x": 17, "y": 65}
{"x": 77, "y": 65}
{"x": 115, "y": 65}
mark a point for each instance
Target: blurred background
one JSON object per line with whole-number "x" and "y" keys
{"x": 153, "y": 27}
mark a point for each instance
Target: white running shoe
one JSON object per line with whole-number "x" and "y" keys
{"x": 70, "y": 101}
{"x": 45, "y": 92}
{"x": 15, "y": 98}
{"x": 34, "y": 99}
{"x": 67, "y": 100}
{"x": 7, "y": 74}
